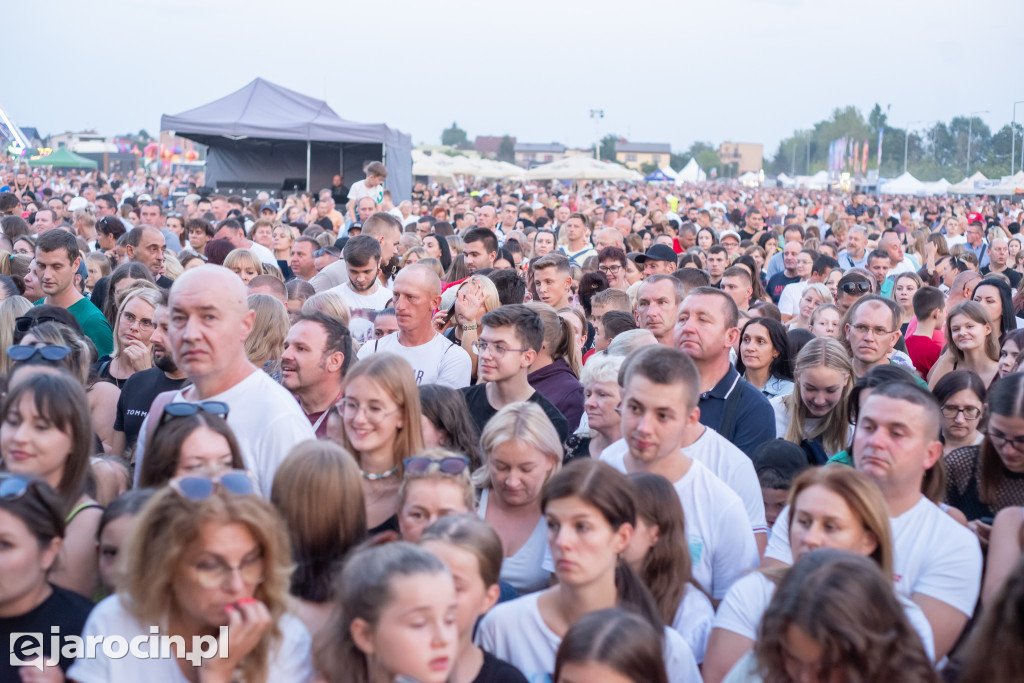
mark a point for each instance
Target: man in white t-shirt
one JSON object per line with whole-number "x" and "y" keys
{"x": 364, "y": 295}
{"x": 660, "y": 419}
{"x": 937, "y": 561}
{"x": 434, "y": 359}
{"x": 576, "y": 246}
{"x": 234, "y": 232}
{"x": 209, "y": 322}
{"x": 372, "y": 186}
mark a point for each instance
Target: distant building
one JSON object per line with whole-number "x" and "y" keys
{"x": 636, "y": 154}
{"x": 530, "y": 154}
{"x": 72, "y": 140}
{"x": 488, "y": 145}
{"x": 748, "y": 155}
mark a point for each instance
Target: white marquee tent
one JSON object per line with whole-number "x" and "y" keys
{"x": 691, "y": 173}
{"x": 904, "y": 184}
{"x": 966, "y": 186}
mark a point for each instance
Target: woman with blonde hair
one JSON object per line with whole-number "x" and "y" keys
{"x": 244, "y": 264}
{"x": 282, "y": 240}
{"x": 829, "y": 507}
{"x": 319, "y": 493}
{"x": 476, "y": 296}
{"x": 380, "y": 413}
{"x": 814, "y": 416}
{"x": 265, "y": 344}
{"x": 815, "y": 294}
{"x": 10, "y": 310}
{"x": 555, "y": 372}
{"x": 204, "y": 554}
{"x": 133, "y": 326}
{"x": 414, "y": 255}
{"x": 329, "y": 302}
{"x": 972, "y": 343}
{"x": 521, "y": 451}
{"x": 601, "y": 397}
{"x": 436, "y": 484}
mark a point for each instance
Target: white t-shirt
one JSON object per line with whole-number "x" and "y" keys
{"x": 437, "y": 362}
{"x": 263, "y": 254}
{"x": 693, "y": 620}
{"x": 266, "y": 420}
{"x": 363, "y": 309}
{"x": 718, "y": 530}
{"x": 932, "y": 555}
{"x": 292, "y": 661}
{"x": 360, "y": 190}
{"x": 728, "y": 463}
{"x": 748, "y": 599}
{"x": 515, "y": 632}
{"x": 789, "y": 300}
{"x": 530, "y": 568}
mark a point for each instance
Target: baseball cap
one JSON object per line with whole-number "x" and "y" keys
{"x": 658, "y": 252}
{"x": 975, "y": 217}
{"x": 730, "y": 233}
{"x": 269, "y": 206}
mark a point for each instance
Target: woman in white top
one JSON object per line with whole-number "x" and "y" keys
{"x": 521, "y": 451}
{"x": 831, "y": 507}
{"x": 204, "y": 554}
{"x": 660, "y": 556}
{"x": 591, "y": 516}
{"x": 816, "y": 410}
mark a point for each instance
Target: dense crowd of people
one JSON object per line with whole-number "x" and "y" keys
{"x": 509, "y": 432}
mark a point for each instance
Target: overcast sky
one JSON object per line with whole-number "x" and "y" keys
{"x": 662, "y": 71}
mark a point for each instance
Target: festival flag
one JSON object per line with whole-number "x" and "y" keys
{"x": 856, "y": 156}
{"x": 864, "y": 164}
{"x": 881, "y": 131}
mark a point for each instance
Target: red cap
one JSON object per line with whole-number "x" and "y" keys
{"x": 975, "y": 217}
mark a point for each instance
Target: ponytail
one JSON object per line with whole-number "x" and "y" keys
{"x": 634, "y": 597}
{"x": 567, "y": 347}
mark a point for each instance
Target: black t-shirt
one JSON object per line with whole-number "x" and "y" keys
{"x": 1012, "y": 274}
{"x": 64, "y": 609}
{"x": 482, "y": 411}
{"x": 496, "y": 670}
{"x": 777, "y": 283}
{"x": 137, "y": 396}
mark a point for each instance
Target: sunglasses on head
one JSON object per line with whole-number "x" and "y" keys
{"x": 13, "y": 487}
{"x": 24, "y": 323}
{"x": 327, "y": 250}
{"x": 419, "y": 464}
{"x": 235, "y": 482}
{"x": 855, "y": 287}
{"x": 184, "y": 409}
{"x": 23, "y": 352}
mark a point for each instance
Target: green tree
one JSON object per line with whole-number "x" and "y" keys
{"x": 678, "y": 161}
{"x": 648, "y": 168}
{"x": 455, "y": 137}
{"x": 608, "y": 147}
{"x": 507, "y": 150}
{"x": 144, "y": 136}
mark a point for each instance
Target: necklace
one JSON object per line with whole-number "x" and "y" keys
{"x": 369, "y": 476}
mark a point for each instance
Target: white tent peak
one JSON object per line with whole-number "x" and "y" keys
{"x": 691, "y": 173}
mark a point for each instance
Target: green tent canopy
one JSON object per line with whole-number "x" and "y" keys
{"x": 63, "y": 158}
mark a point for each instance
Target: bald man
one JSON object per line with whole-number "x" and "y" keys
{"x": 891, "y": 244}
{"x": 434, "y": 359}
{"x": 608, "y": 237}
{"x": 999, "y": 261}
{"x": 209, "y": 322}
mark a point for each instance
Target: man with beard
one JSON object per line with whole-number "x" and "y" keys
{"x": 317, "y": 353}
{"x": 141, "y": 388}
{"x": 363, "y": 293}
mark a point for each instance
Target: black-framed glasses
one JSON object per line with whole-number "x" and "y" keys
{"x": 610, "y": 269}
{"x": 970, "y": 412}
{"x": 24, "y": 323}
{"x": 52, "y": 354}
{"x": 235, "y": 482}
{"x": 1000, "y": 440}
{"x": 855, "y": 287}
{"x": 184, "y": 409}
{"x": 13, "y": 486}
{"x": 419, "y": 464}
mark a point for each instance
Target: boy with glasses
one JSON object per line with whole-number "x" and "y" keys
{"x": 510, "y": 338}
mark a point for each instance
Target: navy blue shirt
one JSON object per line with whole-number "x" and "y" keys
{"x": 754, "y": 423}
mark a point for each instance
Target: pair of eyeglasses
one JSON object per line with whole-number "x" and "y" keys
{"x": 23, "y": 352}
{"x": 184, "y": 409}
{"x": 144, "y": 323}
{"x": 970, "y": 412}
{"x": 327, "y": 250}
{"x": 482, "y": 347}
{"x": 417, "y": 465}
{"x": 374, "y": 414}
{"x": 610, "y": 269}
{"x": 24, "y": 323}
{"x": 878, "y": 331}
{"x": 855, "y": 287}
{"x": 1000, "y": 440}
{"x": 235, "y": 482}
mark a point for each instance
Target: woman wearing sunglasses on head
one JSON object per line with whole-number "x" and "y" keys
{"x": 190, "y": 438}
{"x": 435, "y": 484}
{"x": 204, "y": 554}
{"x": 46, "y": 434}
{"x": 133, "y": 327}
{"x": 380, "y": 411}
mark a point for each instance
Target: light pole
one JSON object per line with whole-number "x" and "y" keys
{"x": 906, "y": 143}
{"x": 970, "y": 125}
{"x": 1013, "y": 138}
{"x": 597, "y": 115}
